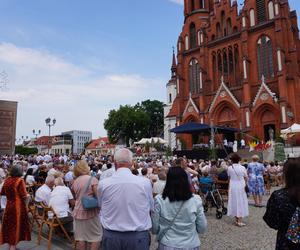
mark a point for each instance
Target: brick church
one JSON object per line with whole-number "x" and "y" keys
{"x": 235, "y": 68}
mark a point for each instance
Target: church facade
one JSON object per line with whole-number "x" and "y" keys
{"x": 236, "y": 69}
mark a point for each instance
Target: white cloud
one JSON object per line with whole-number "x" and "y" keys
{"x": 181, "y": 2}
{"x": 48, "y": 85}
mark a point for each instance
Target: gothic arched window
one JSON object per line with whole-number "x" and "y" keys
{"x": 194, "y": 73}
{"x": 193, "y": 36}
{"x": 265, "y": 57}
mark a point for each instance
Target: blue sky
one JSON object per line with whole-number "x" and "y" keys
{"x": 75, "y": 60}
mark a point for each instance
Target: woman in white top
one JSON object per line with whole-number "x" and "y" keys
{"x": 29, "y": 178}
{"x": 237, "y": 197}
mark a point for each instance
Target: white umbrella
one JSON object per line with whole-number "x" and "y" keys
{"x": 158, "y": 140}
{"x": 295, "y": 128}
{"x": 143, "y": 141}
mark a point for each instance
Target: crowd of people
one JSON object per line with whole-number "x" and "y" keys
{"x": 117, "y": 200}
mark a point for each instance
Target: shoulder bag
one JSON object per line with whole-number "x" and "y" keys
{"x": 88, "y": 202}
{"x": 171, "y": 224}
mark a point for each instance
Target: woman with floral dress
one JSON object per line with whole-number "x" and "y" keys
{"x": 256, "y": 183}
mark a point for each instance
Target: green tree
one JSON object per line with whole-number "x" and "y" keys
{"x": 155, "y": 111}
{"x": 21, "y": 150}
{"x": 126, "y": 123}
{"x": 279, "y": 152}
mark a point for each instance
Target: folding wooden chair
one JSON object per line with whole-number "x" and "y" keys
{"x": 50, "y": 219}
{"x": 35, "y": 210}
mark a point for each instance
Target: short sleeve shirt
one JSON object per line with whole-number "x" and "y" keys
{"x": 59, "y": 200}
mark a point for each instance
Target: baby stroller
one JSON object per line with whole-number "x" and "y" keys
{"x": 212, "y": 198}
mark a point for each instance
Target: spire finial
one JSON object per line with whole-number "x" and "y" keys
{"x": 222, "y": 79}
{"x": 174, "y": 64}
{"x": 263, "y": 79}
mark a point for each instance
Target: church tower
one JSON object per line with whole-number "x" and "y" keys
{"x": 236, "y": 67}
{"x": 169, "y": 121}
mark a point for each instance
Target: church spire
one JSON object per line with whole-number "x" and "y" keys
{"x": 174, "y": 64}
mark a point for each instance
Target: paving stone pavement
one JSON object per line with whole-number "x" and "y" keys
{"x": 221, "y": 235}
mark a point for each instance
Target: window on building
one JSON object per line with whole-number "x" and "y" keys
{"x": 225, "y": 63}
{"x": 213, "y": 37}
{"x": 261, "y": 11}
{"x": 229, "y": 27}
{"x": 230, "y": 59}
{"x": 271, "y": 10}
{"x": 237, "y": 65}
{"x": 201, "y": 4}
{"x": 199, "y": 37}
{"x": 252, "y": 17}
{"x": 219, "y": 32}
{"x": 220, "y": 66}
{"x": 265, "y": 57}
{"x": 223, "y": 22}
{"x": 192, "y": 5}
{"x": 214, "y": 62}
{"x": 186, "y": 42}
{"x": 193, "y": 36}
{"x": 170, "y": 98}
{"x": 194, "y": 74}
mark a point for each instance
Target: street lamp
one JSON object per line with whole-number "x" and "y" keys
{"x": 36, "y": 133}
{"x": 48, "y": 123}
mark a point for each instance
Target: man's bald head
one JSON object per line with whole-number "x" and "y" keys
{"x": 123, "y": 158}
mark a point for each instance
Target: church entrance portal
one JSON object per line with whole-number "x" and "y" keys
{"x": 269, "y": 132}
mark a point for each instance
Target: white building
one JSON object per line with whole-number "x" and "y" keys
{"x": 100, "y": 146}
{"x": 61, "y": 145}
{"x": 169, "y": 117}
{"x": 79, "y": 139}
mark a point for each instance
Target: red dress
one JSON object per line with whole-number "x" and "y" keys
{"x": 15, "y": 223}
